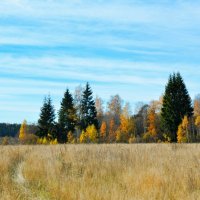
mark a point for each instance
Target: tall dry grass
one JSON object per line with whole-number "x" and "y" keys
{"x": 100, "y": 172}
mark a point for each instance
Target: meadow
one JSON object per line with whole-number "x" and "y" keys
{"x": 100, "y": 172}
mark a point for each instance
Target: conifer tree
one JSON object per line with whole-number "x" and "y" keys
{"x": 88, "y": 109}
{"x": 176, "y": 105}
{"x": 46, "y": 121}
{"x": 66, "y": 117}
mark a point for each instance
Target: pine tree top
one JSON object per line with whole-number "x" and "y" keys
{"x": 47, "y": 115}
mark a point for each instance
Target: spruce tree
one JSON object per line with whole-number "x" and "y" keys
{"x": 176, "y": 104}
{"x": 88, "y": 109}
{"x": 66, "y": 117}
{"x": 46, "y": 121}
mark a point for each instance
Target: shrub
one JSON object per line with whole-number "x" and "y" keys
{"x": 70, "y": 138}
{"x": 148, "y": 137}
{"x": 5, "y": 141}
{"x": 132, "y": 139}
{"x": 46, "y": 141}
{"x": 29, "y": 139}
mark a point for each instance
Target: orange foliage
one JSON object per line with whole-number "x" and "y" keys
{"x": 197, "y": 122}
{"x": 112, "y": 134}
{"x": 152, "y": 122}
{"x": 124, "y": 125}
{"x": 103, "y": 131}
{"x": 182, "y": 134}
{"x": 126, "y": 129}
{"x": 196, "y": 107}
{"x": 123, "y": 131}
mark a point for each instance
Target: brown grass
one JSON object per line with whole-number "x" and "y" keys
{"x": 100, "y": 172}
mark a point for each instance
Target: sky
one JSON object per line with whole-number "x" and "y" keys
{"x": 125, "y": 47}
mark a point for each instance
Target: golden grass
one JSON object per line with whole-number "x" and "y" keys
{"x": 100, "y": 172}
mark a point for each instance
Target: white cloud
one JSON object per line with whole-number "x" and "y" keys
{"x": 64, "y": 22}
{"x": 126, "y": 47}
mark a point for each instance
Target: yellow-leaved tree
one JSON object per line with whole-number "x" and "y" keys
{"x": 83, "y": 137}
{"x": 153, "y": 114}
{"x": 90, "y": 135}
{"x": 122, "y": 134}
{"x": 23, "y": 131}
{"x": 127, "y": 126}
{"x": 197, "y": 106}
{"x": 197, "y": 123}
{"x": 182, "y": 134}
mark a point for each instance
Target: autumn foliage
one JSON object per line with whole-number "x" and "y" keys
{"x": 84, "y": 119}
{"x": 182, "y": 134}
{"x": 90, "y": 135}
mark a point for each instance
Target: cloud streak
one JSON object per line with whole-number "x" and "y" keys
{"x": 126, "y": 47}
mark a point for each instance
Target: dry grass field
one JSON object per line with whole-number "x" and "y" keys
{"x": 100, "y": 172}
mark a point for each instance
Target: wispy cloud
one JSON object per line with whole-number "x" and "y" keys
{"x": 126, "y": 47}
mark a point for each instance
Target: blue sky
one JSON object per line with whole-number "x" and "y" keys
{"x": 125, "y": 47}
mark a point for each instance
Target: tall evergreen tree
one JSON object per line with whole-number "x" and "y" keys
{"x": 46, "y": 121}
{"x": 66, "y": 117}
{"x": 88, "y": 109}
{"x": 176, "y": 104}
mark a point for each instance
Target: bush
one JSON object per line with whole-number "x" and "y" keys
{"x": 70, "y": 138}
{"x": 148, "y": 138}
{"x": 47, "y": 141}
{"x": 5, "y": 141}
{"x": 167, "y": 138}
{"x": 121, "y": 137}
{"x": 29, "y": 139}
{"x": 132, "y": 139}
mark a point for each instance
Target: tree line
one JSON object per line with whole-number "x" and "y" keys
{"x": 9, "y": 130}
{"x": 12, "y": 130}
{"x": 83, "y": 119}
